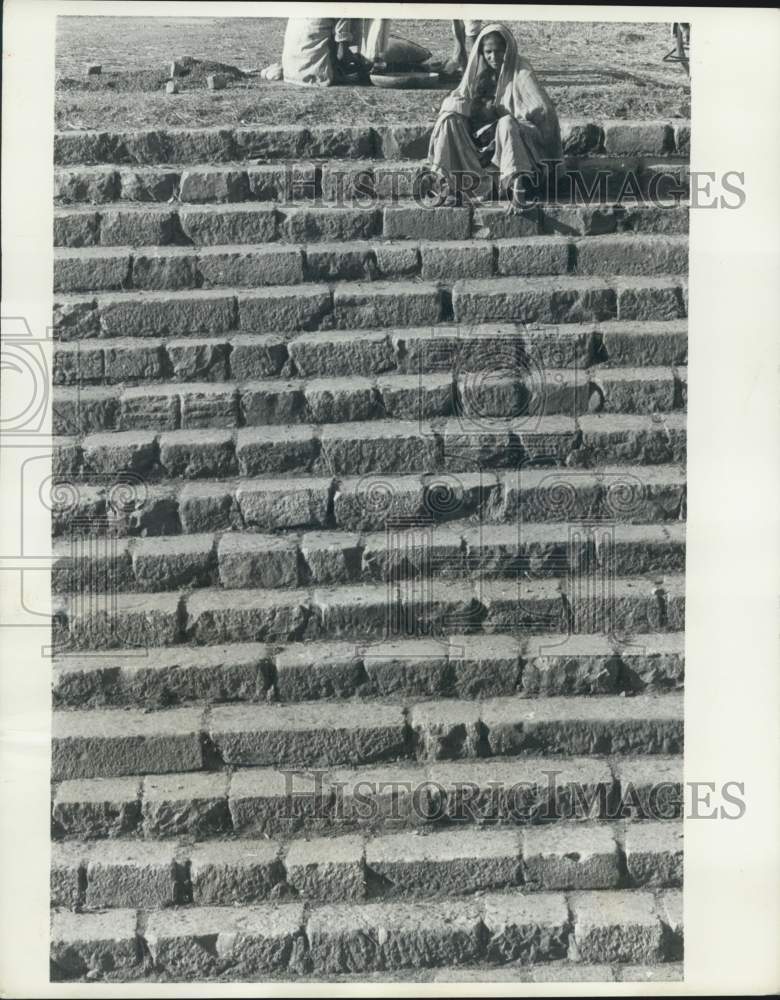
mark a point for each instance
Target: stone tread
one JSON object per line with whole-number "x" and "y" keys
{"x": 462, "y": 550}
{"x": 359, "y": 866}
{"x": 198, "y": 405}
{"x": 460, "y": 666}
{"x": 389, "y": 798}
{"x": 253, "y": 222}
{"x": 442, "y": 348}
{"x": 195, "y": 145}
{"x": 383, "y": 179}
{"x": 369, "y": 937}
{"x": 112, "y": 742}
{"x": 358, "y": 304}
{"x": 358, "y": 448}
{"x": 83, "y": 269}
{"x": 210, "y": 616}
{"x": 619, "y": 494}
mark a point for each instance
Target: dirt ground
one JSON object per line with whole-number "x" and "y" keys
{"x": 596, "y": 69}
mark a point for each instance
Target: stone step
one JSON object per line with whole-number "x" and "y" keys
{"x": 442, "y": 348}
{"x": 476, "y": 398}
{"x": 460, "y": 666}
{"x": 213, "y": 616}
{"x": 105, "y": 269}
{"x": 129, "y": 506}
{"x": 272, "y": 803}
{"x": 357, "y": 305}
{"x": 552, "y": 972}
{"x": 350, "y": 180}
{"x": 276, "y": 803}
{"x": 122, "y": 224}
{"x": 99, "y": 875}
{"x": 295, "y": 142}
{"x": 112, "y": 743}
{"x": 379, "y": 446}
{"x": 455, "y": 551}
{"x": 595, "y": 928}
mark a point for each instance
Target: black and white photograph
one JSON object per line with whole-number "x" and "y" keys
{"x": 368, "y": 501}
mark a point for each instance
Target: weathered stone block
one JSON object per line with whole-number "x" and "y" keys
{"x": 274, "y": 309}
{"x": 193, "y": 805}
{"x": 227, "y": 873}
{"x": 386, "y": 304}
{"x": 132, "y": 873}
{"x": 173, "y": 562}
{"x": 273, "y": 449}
{"x": 284, "y": 503}
{"x": 226, "y": 224}
{"x": 98, "y": 807}
{"x": 158, "y": 270}
{"x": 195, "y": 453}
{"x": 327, "y": 869}
{"x": 250, "y": 560}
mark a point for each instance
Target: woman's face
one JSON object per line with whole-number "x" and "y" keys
{"x": 493, "y": 49}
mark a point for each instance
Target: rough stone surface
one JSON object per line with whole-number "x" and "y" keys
{"x": 100, "y": 807}
{"x": 451, "y": 862}
{"x": 229, "y": 872}
{"x": 328, "y": 870}
{"x": 188, "y": 944}
{"x": 250, "y": 560}
{"x": 570, "y": 856}
{"x": 314, "y": 735}
{"x": 386, "y": 304}
{"x": 96, "y": 943}
{"x": 526, "y": 928}
{"x": 283, "y": 503}
{"x": 614, "y": 927}
{"x": 192, "y": 805}
{"x": 131, "y": 873}
{"x": 376, "y": 936}
{"x": 108, "y": 744}
{"x": 307, "y": 672}
{"x": 654, "y": 853}
{"x": 216, "y": 616}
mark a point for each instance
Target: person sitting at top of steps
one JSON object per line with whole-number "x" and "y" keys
{"x": 498, "y": 121}
{"x": 464, "y": 34}
{"x": 320, "y": 52}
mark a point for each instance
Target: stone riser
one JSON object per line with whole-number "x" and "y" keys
{"x": 125, "y": 224}
{"x": 464, "y": 666}
{"x": 179, "y": 268}
{"x": 359, "y": 305}
{"x": 220, "y": 145}
{"x": 367, "y": 612}
{"x": 237, "y": 560}
{"x": 113, "y": 743}
{"x": 613, "y": 495}
{"x": 379, "y": 446}
{"x": 370, "y": 937}
{"x": 474, "y": 399}
{"x": 109, "y": 874}
{"x": 447, "y": 795}
{"x": 335, "y": 180}
{"x": 442, "y": 349}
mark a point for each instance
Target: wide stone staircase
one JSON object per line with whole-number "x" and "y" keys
{"x": 369, "y": 560}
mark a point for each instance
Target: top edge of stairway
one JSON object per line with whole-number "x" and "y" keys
{"x": 394, "y": 141}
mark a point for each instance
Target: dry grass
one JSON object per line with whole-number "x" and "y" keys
{"x": 598, "y": 70}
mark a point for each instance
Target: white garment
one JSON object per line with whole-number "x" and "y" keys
{"x": 307, "y": 53}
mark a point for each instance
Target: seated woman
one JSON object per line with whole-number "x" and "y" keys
{"x": 498, "y": 120}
